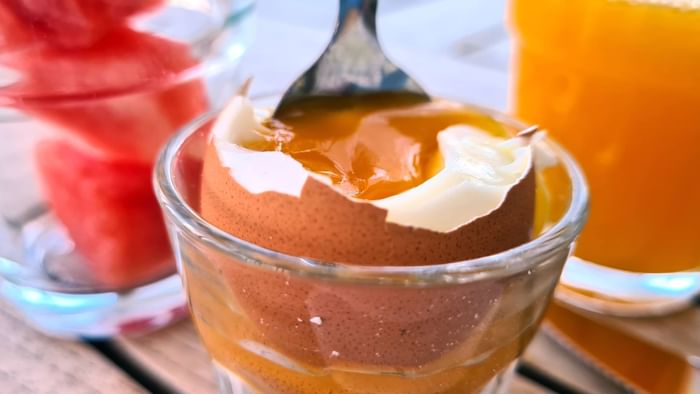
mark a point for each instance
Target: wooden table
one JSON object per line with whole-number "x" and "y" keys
{"x": 173, "y": 361}
{"x": 471, "y": 66}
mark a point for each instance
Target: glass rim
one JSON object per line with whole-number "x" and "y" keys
{"x": 207, "y": 66}
{"x": 517, "y": 259}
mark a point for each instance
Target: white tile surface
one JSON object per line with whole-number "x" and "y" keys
{"x": 438, "y": 26}
{"x": 422, "y": 36}
{"x": 494, "y": 57}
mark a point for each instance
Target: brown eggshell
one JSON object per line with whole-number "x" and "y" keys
{"x": 388, "y": 328}
{"x": 325, "y": 225}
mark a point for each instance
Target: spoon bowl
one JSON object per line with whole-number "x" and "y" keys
{"x": 353, "y": 63}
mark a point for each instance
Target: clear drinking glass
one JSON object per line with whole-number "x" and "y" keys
{"x": 617, "y": 83}
{"x": 275, "y": 323}
{"x": 89, "y": 92}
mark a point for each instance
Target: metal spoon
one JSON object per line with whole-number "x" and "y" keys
{"x": 353, "y": 63}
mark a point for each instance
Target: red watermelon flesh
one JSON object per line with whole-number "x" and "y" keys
{"x": 110, "y": 212}
{"x": 121, "y": 61}
{"x": 76, "y": 23}
{"x": 13, "y": 33}
{"x": 113, "y": 96}
{"x": 125, "y": 97}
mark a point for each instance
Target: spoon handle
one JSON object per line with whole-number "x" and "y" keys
{"x": 357, "y": 11}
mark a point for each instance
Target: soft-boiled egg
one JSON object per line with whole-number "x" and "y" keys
{"x": 480, "y": 202}
{"x": 476, "y": 198}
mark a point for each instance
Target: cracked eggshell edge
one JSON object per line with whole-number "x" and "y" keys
{"x": 438, "y": 204}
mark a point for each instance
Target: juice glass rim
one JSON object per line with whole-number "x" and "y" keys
{"x": 517, "y": 259}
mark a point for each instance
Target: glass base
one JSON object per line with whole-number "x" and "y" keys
{"x": 99, "y": 315}
{"x": 231, "y": 384}
{"x": 609, "y": 291}
{"x": 43, "y": 278}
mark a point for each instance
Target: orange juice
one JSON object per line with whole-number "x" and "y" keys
{"x": 617, "y": 82}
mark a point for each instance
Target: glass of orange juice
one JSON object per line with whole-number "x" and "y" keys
{"x": 617, "y": 82}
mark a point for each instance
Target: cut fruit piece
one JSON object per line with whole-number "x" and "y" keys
{"x": 132, "y": 127}
{"x": 125, "y": 98}
{"x": 13, "y": 33}
{"x": 123, "y": 61}
{"x": 76, "y": 23}
{"x": 110, "y": 212}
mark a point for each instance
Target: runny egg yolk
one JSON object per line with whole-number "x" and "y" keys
{"x": 371, "y": 146}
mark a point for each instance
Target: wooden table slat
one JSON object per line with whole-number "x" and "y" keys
{"x": 678, "y": 333}
{"x": 33, "y": 363}
{"x": 176, "y": 357}
{"x": 549, "y": 357}
{"x": 523, "y": 386}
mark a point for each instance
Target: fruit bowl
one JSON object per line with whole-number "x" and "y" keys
{"x": 89, "y": 91}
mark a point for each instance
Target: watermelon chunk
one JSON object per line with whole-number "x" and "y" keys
{"x": 13, "y": 33}
{"x": 113, "y": 96}
{"x": 121, "y": 97}
{"x": 121, "y": 61}
{"x": 76, "y": 23}
{"x": 109, "y": 210}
